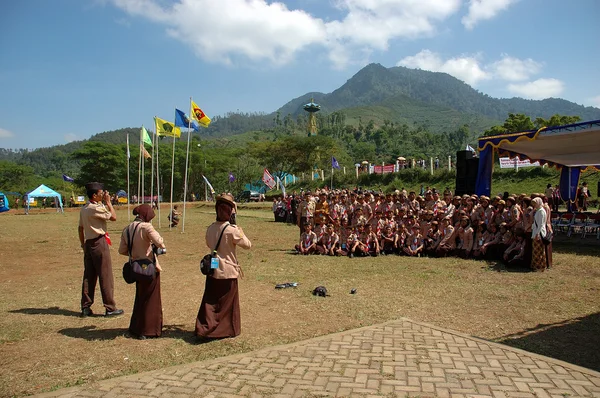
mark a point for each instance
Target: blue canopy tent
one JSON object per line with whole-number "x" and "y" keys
{"x": 3, "y": 203}
{"x": 572, "y": 148}
{"x": 44, "y": 192}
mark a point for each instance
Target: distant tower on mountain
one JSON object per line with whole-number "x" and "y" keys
{"x": 312, "y": 108}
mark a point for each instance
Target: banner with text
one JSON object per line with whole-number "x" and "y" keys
{"x": 508, "y": 163}
{"x": 383, "y": 169}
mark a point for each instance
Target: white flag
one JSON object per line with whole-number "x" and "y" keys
{"x": 282, "y": 186}
{"x": 212, "y": 191}
{"x": 128, "y": 154}
{"x": 469, "y": 148}
{"x": 268, "y": 179}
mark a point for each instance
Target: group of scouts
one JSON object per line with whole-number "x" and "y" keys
{"x": 354, "y": 223}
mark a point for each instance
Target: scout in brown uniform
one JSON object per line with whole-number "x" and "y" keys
{"x": 465, "y": 237}
{"x": 219, "y": 314}
{"x": 306, "y": 211}
{"x": 96, "y": 253}
{"x": 146, "y": 318}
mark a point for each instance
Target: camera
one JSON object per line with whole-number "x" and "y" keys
{"x": 158, "y": 251}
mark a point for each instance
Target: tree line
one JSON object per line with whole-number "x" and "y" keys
{"x": 282, "y": 147}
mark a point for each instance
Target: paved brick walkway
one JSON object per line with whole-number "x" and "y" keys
{"x": 401, "y": 358}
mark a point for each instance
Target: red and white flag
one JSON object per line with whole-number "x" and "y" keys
{"x": 268, "y": 179}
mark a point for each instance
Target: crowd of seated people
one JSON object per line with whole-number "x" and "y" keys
{"x": 516, "y": 230}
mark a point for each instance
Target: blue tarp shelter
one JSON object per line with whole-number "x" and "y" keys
{"x": 3, "y": 203}
{"x": 44, "y": 192}
{"x": 572, "y": 148}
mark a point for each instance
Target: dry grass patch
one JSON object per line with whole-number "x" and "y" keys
{"x": 45, "y": 345}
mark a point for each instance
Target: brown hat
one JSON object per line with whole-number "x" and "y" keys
{"x": 502, "y": 202}
{"x": 227, "y": 198}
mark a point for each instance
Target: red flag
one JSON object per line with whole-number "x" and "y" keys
{"x": 268, "y": 179}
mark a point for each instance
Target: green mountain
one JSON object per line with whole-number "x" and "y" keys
{"x": 375, "y": 85}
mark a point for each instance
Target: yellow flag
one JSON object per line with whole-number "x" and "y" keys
{"x": 166, "y": 129}
{"x": 199, "y": 115}
{"x": 145, "y": 152}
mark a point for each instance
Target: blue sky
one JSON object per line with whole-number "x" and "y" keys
{"x": 73, "y": 68}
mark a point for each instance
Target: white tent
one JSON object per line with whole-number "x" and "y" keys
{"x": 44, "y": 192}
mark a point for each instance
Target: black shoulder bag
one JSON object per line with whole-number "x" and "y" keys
{"x": 142, "y": 270}
{"x": 206, "y": 260}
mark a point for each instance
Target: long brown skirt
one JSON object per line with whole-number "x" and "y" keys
{"x": 147, "y": 319}
{"x": 219, "y": 314}
{"x": 538, "y": 255}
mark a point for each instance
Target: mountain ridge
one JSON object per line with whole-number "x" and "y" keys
{"x": 375, "y": 83}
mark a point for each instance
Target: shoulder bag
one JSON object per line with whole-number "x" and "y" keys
{"x": 142, "y": 270}
{"x": 205, "y": 267}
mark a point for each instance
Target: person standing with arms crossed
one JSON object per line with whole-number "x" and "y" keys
{"x": 96, "y": 253}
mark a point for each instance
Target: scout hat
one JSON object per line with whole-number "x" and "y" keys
{"x": 226, "y": 198}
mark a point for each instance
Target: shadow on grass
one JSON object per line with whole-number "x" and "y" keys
{"x": 576, "y": 245}
{"x": 47, "y": 311}
{"x": 501, "y": 267}
{"x": 93, "y": 333}
{"x": 575, "y": 341}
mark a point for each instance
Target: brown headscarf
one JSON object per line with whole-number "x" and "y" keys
{"x": 144, "y": 212}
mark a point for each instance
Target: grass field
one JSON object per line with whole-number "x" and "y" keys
{"x": 45, "y": 345}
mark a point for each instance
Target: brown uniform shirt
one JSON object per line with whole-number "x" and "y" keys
{"x": 232, "y": 237}
{"x": 92, "y": 218}
{"x": 142, "y": 240}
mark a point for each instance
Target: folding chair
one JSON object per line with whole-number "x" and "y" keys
{"x": 554, "y": 219}
{"x": 564, "y": 222}
{"x": 593, "y": 225}
{"x": 578, "y": 225}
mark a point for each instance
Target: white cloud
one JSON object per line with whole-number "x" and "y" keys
{"x": 480, "y": 10}
{"x": 514, "y": 69}
{"x": 595, "y": 101}
{"x": 538, "y": 89}
{"x": 6, "y": 134}
{"x": 465, "y": 68}
{"x": 228, "y": 31}
{"x": 472, "y": 71}
{"x": 70, "y": 137}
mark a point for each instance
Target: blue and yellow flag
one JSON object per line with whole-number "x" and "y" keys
{"x": 166, "y": 129}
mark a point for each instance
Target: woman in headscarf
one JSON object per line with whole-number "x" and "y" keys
{"x": 219, "y": 314}
{"x": 538, "y": 231}
{"x": 146, "y": 319}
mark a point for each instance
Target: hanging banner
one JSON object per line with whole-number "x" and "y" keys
{"x": 383, "y": 169}
{"x": 508, "y": 163}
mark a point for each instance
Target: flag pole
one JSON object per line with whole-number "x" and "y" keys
{"x": 157, "y": 174}
{"x": 139, "y": 170}
{"x": 187, "y": 157}
{"x": 172, "y": 175}
{"x": 143, "y": 150}
{"x": 152, "y": 176}
{"x": 331, "y": 185}
{"x": 128, "y": 185}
